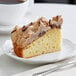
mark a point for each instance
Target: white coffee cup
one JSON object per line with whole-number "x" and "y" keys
{"x": 12, "y": 14}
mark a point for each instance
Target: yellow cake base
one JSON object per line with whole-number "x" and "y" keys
{"x": 48, "y": 43}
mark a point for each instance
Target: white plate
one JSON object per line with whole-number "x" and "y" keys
{"x": 68, "y": 50}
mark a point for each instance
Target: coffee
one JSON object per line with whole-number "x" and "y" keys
{"x": 11, "y": 1}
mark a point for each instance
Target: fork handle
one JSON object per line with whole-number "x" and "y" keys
{"x": 44, "y": 73}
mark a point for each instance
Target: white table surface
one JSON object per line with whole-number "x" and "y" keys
{"x": 9, "y": 66}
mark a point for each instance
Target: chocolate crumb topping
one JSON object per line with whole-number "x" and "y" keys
{"x": 56, "y": 22}
{"x": 31, "y": 23}
{"x": 49, "y": 21}
{"x": 24, "y": 28}
{"x": 59, "y": 27}
{"x": 57, "y": 18}
{"x": 13, "y": 30}
{"x": 53, "y": 26}
{"x": 41, "y": 33}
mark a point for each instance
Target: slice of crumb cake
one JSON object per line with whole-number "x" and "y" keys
{"x": 39, "y": 37}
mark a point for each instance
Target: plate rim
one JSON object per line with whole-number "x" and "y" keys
{"x": 42, "y": 62}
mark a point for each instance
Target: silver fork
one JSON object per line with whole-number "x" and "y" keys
{"x": 59, "y": 66}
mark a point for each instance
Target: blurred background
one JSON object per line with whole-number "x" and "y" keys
{"x": 56, "y": 1}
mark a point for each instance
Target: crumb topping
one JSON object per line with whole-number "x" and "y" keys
{"x": 23, "y": 36}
